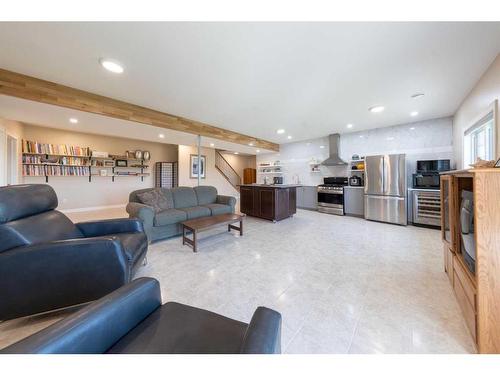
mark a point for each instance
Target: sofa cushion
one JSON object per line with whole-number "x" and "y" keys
{"x": 219, "y": 209}
{"x": 170, "y": 216}
{"x": 184, "y": 197}
{"x": 205, "y": 194}
{"x": 159, "y": 199}
{"x": 134, "y": 244}
{"x": 176, "y": 328}
{"x": 195, "y": 212}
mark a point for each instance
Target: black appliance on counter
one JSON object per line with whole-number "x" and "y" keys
{"x": 427, "y": 176}
{"x": 278, "y": 180}
{"x": 355, "y": 181}
{"x": 331, "y": 195}
{"x": 441, "y": 165}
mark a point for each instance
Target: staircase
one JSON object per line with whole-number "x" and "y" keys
{"x": 227, "y": 171}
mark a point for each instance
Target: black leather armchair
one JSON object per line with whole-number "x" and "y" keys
{"x": 47, "y": 262}
{"x": 131, "y": 320}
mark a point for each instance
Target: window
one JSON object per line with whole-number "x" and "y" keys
{"x": 479, "y": 141}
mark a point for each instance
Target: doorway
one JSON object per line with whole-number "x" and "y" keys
{"x": 12, "y": 161}
{"x": 3, "y": 157}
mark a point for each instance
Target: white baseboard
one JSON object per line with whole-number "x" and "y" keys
{"x": 96, "y": 208}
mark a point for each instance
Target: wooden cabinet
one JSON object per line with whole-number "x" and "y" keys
{"x": 476, "y": 283}
{"x": 249, "y": 175}
{"x": 268, "y": 202}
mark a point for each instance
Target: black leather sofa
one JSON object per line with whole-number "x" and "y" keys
{"x": 131, "y": 320}
{"x": 47, "y": 262}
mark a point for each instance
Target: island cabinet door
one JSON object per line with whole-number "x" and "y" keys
{"x": 292, "y": 205}
{"x": 267, "y": 200}
{"x": 247, "y": 201}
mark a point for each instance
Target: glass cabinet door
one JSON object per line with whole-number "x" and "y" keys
{"x": 446, "y": 208}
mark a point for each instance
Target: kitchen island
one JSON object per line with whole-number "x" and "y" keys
{"x": 271, "y": 202}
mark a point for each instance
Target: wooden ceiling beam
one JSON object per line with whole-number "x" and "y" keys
{"x": 26, "y": 87}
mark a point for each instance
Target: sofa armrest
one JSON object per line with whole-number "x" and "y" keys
{"x": 112, "y": 226}
{"x": 144, "y": 213}
{"x": 96, "y": 327}
{"x": 227, "y": 200}
{"x": 263, "y": 335}
{"x": 58, "y": 274}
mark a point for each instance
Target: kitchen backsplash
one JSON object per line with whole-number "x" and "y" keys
{"x": 431, "y": 139}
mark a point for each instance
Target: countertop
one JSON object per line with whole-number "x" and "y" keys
{"x": 354, "y": 187}
{"x": 277, "y": 186}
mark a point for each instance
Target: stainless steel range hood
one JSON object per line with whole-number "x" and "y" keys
{"x": 334, "y": 158}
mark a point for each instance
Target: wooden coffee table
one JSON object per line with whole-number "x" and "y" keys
{"x": 203, "y": 223}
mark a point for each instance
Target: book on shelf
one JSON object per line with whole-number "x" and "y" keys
{"x": 53, "y": 149}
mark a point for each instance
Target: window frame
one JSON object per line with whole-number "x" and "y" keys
{"x": 469, "y": 136}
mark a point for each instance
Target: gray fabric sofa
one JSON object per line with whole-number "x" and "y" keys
{"x": 184, "y": 203}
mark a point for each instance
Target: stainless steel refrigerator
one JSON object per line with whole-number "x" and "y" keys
{"x": 385, "y": 188}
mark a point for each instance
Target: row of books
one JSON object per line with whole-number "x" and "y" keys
{"x": 32, "y": 159}
{"x": 48, "y": 148}
{"x": 33, "y": 170}
{"x": 53, "y": 170}
{"x": 67, "y": 171}
{"x": 65, "y": 160}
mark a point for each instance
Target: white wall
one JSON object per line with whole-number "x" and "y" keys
{"x": 475, "y": 105}
{"x": 213, "y": 176}
{"x": 430, "y": 139}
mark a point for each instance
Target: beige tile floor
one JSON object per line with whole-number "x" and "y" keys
{"x": 342, "y": 284}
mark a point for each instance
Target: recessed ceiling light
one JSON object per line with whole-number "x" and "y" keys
{"x": 289, "y": 137}
{"x": 376, "y": 109}
{"x": 257, "y": 150}
{"x": 417, "y": 95}
{"x": 412, "y": 128}
{"x": 360, "y": 136}
{"x": 280, "y": 131}
{"x": 321, "y": 146}
{"x": 212, "y": 145}
{"x": 161, "y": 135}
{"x": 349, "y": 126}
{"x": 414, "y": 113}
{"x": 73, "y": 120}
{"x": 250, "y": 144}
{"x": 236, "y": 153}
{"x": 111, "y": 65}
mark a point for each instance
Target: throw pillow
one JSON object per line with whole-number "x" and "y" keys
{"x": 154, "y": 198}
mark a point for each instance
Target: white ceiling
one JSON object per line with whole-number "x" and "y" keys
{"x": 308, "y": 78}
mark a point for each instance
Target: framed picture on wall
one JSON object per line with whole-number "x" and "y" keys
{"x": 194, "y": 166}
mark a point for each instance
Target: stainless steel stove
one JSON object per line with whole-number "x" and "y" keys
{"x": 331, "y": 195}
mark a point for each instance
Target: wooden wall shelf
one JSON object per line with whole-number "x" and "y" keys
{"x": 34, "y": 167}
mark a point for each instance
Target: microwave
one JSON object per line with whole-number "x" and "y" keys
{"x": 426, "y": 180}
{"x": 433, "y": 165}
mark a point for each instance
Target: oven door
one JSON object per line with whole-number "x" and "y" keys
{"x": 331, "y": 202}
{"x": 426, "y": 180}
